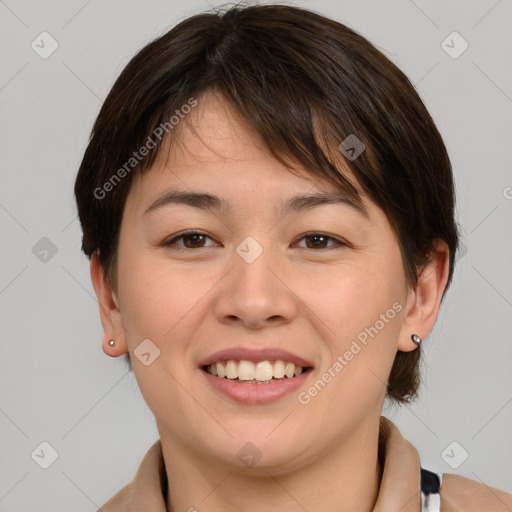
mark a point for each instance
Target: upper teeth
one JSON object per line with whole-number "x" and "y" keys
{"x": 247, "y": 370}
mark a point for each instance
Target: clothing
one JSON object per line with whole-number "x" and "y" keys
{"x": 430, "y": 491}
{"x": 405, "y": 485}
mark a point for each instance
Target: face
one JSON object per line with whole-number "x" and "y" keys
{"x": 321, "y": 287}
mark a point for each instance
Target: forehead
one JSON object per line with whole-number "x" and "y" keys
{"x": 216, "y": 149}
{"x": 212, "y": 132}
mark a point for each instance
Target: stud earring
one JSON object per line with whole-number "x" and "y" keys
{"x": 111, "y": 343}
{"x": 416, "y": 339}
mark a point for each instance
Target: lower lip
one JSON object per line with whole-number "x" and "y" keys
{"x": 253, "y": 394}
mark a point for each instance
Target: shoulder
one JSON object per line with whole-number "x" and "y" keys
{"x": 119, "y": 502}
{"x": 460, "y": 494}
{"x": 147, "y": 489}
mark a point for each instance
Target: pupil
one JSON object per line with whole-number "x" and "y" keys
{"x": 317, "y": 237}
{"x": 194, "y": 238}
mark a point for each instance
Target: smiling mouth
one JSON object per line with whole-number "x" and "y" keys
{"x": 261, "y": 372}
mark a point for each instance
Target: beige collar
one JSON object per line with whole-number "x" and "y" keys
{"x": 399, "y": 490}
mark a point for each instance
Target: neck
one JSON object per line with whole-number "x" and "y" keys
{"x": 345, "y": 478}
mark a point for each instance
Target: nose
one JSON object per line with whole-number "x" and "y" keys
{"x": 256, "y": 294}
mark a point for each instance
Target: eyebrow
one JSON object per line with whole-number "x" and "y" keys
{"x": 293, "y": 204}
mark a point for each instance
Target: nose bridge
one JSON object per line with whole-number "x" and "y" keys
{"x": 252, "y": 267}
{"x": 254, "y": 292}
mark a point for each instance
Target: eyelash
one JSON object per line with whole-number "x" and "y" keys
{"x": 171, "y": 242}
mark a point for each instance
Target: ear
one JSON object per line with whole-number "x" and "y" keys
{"x": 110, "y": 313}
{"x": 424, "y": 300}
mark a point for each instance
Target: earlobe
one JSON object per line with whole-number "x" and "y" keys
{"x": 110, "y": 313}
{"x": 424, "y": 301}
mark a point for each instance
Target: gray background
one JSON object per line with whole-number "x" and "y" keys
{"x": 59, "y": 387}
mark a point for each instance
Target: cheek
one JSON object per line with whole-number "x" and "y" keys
{"x": 147, "y": 302}
{"x": 158, "y": 304}
{"x": 352, "y": 298}
{"x": 361, "y": 307}
{"x": 160, "y": 299}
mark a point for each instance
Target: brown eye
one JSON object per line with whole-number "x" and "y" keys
{"x": 191, "y": 240}
{"x": 320, "y": 241}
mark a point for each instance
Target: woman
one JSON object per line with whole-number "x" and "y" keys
{"x": 269, "y": 212}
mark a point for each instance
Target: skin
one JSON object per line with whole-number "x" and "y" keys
{"x": 308, "y": 300}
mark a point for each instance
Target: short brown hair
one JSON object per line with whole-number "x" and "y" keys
{"x": 305, "y": 83}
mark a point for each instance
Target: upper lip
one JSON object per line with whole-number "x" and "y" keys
{"x": 256, "y": 355}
